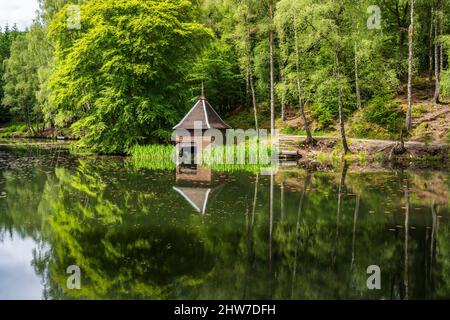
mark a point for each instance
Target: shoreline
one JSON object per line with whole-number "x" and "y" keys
{"x": 370, "y": 151}
{"x": 325, "y": 155}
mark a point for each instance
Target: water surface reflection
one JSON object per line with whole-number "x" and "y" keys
{"x": 157, "y": 235}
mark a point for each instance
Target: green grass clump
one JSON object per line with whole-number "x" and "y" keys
{"x": 366, "y": 130}
{"x": 160, "y": 157}
{"x": 13, "y": 129}
{"x": 418, "y": 110}
{"x": 249, "y": 149}
{"x": 153, "y": 157}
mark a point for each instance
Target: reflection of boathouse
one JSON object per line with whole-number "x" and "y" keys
{"x": 197, "y": 197}
{"x": 193, "y": 173}
{"x": 194, "y": 184}
{"x": 202, "y": 117}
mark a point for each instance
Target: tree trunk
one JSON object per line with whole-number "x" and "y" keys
{"x": 309, "y": 138}
{"x": 250, "y": 76}
{"x": 36, "y": 120}
{"x": 437, "y": 74}
{"x": 441, "y": 46}
{"x": 430, "y": 49}
{"x": 28, "y": 120}
{"x": 358, "y": 91}
{"x": 283, "y": 96}
{"x": 247, "y": 89}
{"x": 408, "y": 121}
{"x": 255, "y": 108}
{"x": 272, "y": 80}
{"x": 341, "y": 105}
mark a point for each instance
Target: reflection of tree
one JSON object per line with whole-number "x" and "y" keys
{"x": 377, "y": 244}
{"x": 406, "y": 255}
{"x": 355, "y": 219}
{"x": 120, "y": 255}
{"x": 297, "y": 228}
{"x": 339, "y": 206}
{"x": 441, "y": 269}
{"x": 134, "y": 238}
{"x": 24, "y": 214}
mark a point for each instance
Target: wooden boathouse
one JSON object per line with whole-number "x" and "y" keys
{"x": 201, "y": 117}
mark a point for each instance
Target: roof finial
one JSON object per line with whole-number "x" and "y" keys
{"x": 202, "y": 97}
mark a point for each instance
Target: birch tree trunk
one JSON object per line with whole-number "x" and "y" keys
{"x": 341, "y": 105}
{"x": 283, "y": 60}
{"x": 250, "y": 76}
{"x": 272, "y": 80}
{"x": 247, "y": 89}
{"x": 436, "y": 62}
{"x": 309, "y": 138}
{"x": 430, "y": 48}
{"x": 408, "y": 121}
{"x": 255, "y": 108}
{"x": 283, "y": 96}
{"x": 358, "y": 91}
{"x": 441, "y": 46}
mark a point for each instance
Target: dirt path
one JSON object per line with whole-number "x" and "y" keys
{"x": 295, "y": 139}
{"x": 370, "y": 148}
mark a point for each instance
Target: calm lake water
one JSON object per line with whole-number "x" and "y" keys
{"x": 141, "y": 234}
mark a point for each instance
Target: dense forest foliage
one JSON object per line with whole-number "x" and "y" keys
{"x": 119, "y": 73}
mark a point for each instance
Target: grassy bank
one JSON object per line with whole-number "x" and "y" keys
{"x": 161, "y": 157}
{"x": 327, "y": 151}
{"x": 13, "y": 130}
{"x": 19, "y": 130}
{"x": 153, "y": 157}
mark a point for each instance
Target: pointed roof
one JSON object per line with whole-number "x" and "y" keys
{"x": 204, "y": 113}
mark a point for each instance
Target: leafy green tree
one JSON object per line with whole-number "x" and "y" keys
{"x": 49, "y": 8}
{"x": 288, "y": 29}
{"x": 29, "y": 57}
{"x": 218, "y": 68}
{"x": 446, "y": 73}
{"x": 7, "y": 36}
{"x": 121, "y": 79}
